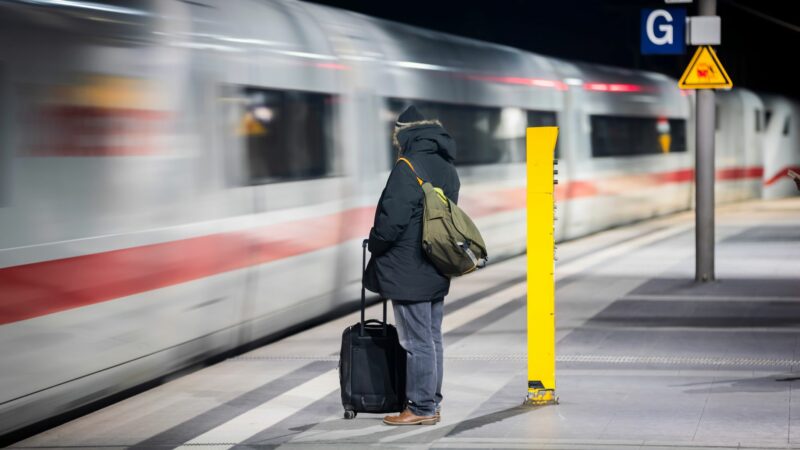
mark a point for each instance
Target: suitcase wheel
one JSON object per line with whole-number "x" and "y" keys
{"x": 349, "y": 414}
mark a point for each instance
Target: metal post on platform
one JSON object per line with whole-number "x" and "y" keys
{"x": 705, "y": 173}
{"x": 541, "y": 325}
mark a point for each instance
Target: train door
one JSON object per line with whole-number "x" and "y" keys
{"x": 362, "y": 122}
{"x": 568, "y": 155}
{"x": 281, "y": 135}
{"x": 733, "y": 129}
{"x": 488, "y": 121}
{"x": 5, "y": 158}
{"x": 753, "y": 154}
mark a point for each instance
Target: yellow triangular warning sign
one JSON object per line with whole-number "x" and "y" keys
{"x": 705, "y": 71}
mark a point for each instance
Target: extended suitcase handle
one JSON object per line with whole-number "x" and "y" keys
{"x": 364, "y": 244}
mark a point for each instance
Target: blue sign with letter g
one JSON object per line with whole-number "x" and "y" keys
{"x": 663, "y": 31}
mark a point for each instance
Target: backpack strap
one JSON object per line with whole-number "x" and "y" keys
{"x": 419, "y": 180}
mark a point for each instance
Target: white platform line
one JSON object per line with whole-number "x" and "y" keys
{"x": 700, "y": 297}
{"x": 625, "y": 248}
{"x": 482, "y": 307}
{"x": 271, "y": 412}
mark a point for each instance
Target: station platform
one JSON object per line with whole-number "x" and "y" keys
{"x": 646, "y": 358}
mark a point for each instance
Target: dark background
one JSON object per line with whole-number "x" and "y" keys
{"x": 757, "y": 52}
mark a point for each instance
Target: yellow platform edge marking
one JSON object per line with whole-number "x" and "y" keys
{"x": 541, "y": 325}
{"x": 705, "y": 71}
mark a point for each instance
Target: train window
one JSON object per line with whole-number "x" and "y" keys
{"x": 614, "y": 136}
{"x": 767, "y": 118}
{"x": 786, "y": 124}
{"x": 483, "y": 135}
{"x": 287, "y": 135}
{"x": 717, "y": 120}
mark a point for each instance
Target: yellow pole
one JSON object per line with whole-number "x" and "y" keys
{"x": 541, "y": 144}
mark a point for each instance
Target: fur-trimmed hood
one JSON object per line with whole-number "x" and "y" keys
{"x": 424, "y": 135}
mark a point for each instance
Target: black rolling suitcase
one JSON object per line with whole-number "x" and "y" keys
{"x": 372, "y": 364}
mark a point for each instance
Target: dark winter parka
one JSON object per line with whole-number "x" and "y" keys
{"x": 398, "y": 269}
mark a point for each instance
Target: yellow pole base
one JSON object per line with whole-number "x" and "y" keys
{"x": 541, "y": 397}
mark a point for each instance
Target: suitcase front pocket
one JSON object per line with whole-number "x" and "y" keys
{"x": 373, "y": 402}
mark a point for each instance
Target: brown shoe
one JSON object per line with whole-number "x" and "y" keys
{"x": 438, "y": 415}
{"x": 408, "y": 418}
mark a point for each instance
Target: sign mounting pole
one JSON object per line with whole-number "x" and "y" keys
{"x": 705, "y": 173}
{"x": 704, "y": 73}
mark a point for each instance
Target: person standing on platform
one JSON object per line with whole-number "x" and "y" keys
{"x": 400, "y": 271}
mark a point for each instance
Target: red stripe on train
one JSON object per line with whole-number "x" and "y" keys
{"x": 37, "y": 289}
{"x": 33, "y": 290}
{"x": 738, "y": 173}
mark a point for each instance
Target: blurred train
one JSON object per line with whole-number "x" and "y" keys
{"x": 180, "y": 178}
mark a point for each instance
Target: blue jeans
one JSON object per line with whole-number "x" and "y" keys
{"x": 419, "y": 326}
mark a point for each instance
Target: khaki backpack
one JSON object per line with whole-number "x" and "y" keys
{"x": 449, "y": 237}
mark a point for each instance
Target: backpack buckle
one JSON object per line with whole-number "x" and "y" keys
{"x": 478, "y": 263}
{"x": 465, "y": 247}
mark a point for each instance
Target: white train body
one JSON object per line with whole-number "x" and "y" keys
{"x": 781, "y": 146}
{"x": 183, "y": 179}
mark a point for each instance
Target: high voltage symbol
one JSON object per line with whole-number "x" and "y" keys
{"x": 705, "y": 71}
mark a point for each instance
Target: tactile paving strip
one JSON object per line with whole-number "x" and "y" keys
{"x": 603, "y": 359}
{"x": 677, "y": 360}
{"x": 512, "y": 357}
